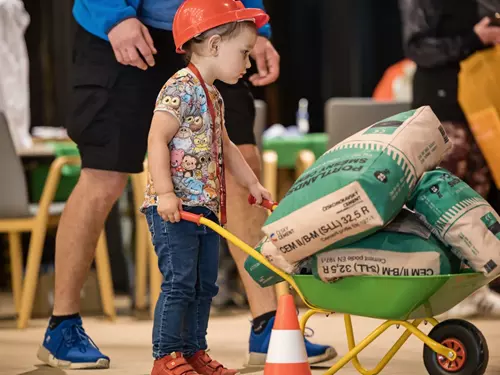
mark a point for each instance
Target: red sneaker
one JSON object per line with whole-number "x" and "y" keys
{"x": 204, "y": 365}
{"x": 173, "y": 364}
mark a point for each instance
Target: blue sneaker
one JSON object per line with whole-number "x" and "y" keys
{"x": 69, "y": 346}
{"x": 259, "y": 345}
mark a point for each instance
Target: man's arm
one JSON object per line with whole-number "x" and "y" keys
{"x": 265, "y": 30}
{"x": 264, "y": 54}
{"x": 128, "y": 36}
{"x": 107, "y": 14}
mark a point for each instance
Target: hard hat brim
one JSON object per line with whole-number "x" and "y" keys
{"x": 257, "y": 16}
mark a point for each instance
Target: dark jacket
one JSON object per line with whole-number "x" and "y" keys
{"x": 437, "y": 35}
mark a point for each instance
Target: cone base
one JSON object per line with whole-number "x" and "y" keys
{"x": 287, "y": 369}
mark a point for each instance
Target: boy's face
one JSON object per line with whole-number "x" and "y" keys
{"x": 233, "y": 59}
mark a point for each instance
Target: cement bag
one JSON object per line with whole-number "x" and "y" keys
{"x": 405, "y": 247}
{"x": 357, "y": 186}
{"x": 260, "y": 273}
{"x": 461, "y": 218}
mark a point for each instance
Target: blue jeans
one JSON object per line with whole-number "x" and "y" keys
{"x": 188, "y": 258}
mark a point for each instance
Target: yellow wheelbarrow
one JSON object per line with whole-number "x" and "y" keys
{"x": 452, "y": 347}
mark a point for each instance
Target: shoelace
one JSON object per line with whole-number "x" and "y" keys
{"x": 76, "y": 336}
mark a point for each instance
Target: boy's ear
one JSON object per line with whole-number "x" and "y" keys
{"x": 213, "y": 45}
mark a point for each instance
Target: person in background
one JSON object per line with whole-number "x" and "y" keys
{"x": 123, "y": 54}
{"x": 438, "y": 35}
{"x": 396, "y": 83}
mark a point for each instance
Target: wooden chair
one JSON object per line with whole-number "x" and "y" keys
{"x": 260, "y": 121}
{"x": 17, "y": 216}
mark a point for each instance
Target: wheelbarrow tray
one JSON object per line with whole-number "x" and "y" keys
{"x": 390, "y": 297}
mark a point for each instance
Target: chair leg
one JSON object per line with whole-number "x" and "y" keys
{"x": 155, "y": 279}
{"x": 141, "y": 263}
{"x": 31, "y": 277}
{"x": 16, "y": 265}
{"x": 104, "y": 276}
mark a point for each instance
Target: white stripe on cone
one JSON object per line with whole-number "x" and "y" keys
{"x": 286, "y": 346}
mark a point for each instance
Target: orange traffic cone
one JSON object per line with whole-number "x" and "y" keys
{"x": 287, "y": 351}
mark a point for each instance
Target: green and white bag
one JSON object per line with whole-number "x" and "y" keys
{"x": 260, "y": 273}
{"x": 405, "y": 247}
{"x": 461, "y": 218}
{"x": 358, "y": 186}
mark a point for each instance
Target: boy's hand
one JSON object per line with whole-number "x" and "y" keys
{"x": 259, "y": 192}
{"x": 169, "y": 206}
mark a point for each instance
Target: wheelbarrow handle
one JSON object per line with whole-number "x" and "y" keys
{"x": 270, "y": 205}
{"x": 195, "y": 218}
{"x": 188, "y": 216}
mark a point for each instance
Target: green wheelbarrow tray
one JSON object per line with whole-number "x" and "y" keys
{"x": 391, "y": 297}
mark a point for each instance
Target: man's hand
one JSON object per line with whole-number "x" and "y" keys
{"x": 268, "y": 62}
{"x": 488, "y": 34}
{"x": 129, "y": 36}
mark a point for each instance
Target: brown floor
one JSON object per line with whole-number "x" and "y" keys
{"x": 127, "y": 342}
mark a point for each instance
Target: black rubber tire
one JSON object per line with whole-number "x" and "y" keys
{"x": 476, "y": 348}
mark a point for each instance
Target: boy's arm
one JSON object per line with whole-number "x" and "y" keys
{"x": 164, "y": 126}
{"x": 237, "y": 164}
{"x": 239, "y": 168}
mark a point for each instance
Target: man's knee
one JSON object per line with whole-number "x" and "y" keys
{"x": 103, "y": 186}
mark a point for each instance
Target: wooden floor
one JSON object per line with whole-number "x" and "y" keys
{"x": 127, "y": 342}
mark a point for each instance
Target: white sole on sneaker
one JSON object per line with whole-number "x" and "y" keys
{"x": 46, "y": 357}
{"x": 259, "y": 359}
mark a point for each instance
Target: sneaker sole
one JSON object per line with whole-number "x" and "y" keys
{"x": 46, "y": 357}
{"x": 259, "y": 359}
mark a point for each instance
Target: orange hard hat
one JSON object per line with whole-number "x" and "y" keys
{"x": 197, "y": 16}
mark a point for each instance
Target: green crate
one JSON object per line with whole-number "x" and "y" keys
{"x": 288, "y": 148}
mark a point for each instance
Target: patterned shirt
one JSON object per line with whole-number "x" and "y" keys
{"x": 194, "y": 148}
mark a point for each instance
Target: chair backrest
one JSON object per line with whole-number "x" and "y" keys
{"x": 260, "y": 121}
{"x": 14, "y": 201}
{"x": 347, "y": 116}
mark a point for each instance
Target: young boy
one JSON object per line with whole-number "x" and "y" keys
{"x": 188, "y": 148}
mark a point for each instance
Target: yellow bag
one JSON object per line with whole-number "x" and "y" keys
{"x": 479, "y": 97}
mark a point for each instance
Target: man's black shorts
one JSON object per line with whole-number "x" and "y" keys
{"x": 112, "y": 104}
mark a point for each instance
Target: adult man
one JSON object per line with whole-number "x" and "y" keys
{"x": 114, "y": 91}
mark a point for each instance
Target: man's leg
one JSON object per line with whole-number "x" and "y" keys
{"x": 246, "y": 222}
{"x": 81, "y": 224}
{"x": 111, "y": 112}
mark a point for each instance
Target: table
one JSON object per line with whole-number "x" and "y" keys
{"x": 36, "y": 150}
{"x": 288, "y": 149}
{"x": 46, "y": 148}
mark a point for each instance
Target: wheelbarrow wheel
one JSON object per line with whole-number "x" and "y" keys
{"x": 466, "y": 340}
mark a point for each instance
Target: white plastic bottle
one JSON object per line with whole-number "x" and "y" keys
{"x": 303, "y": 116}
